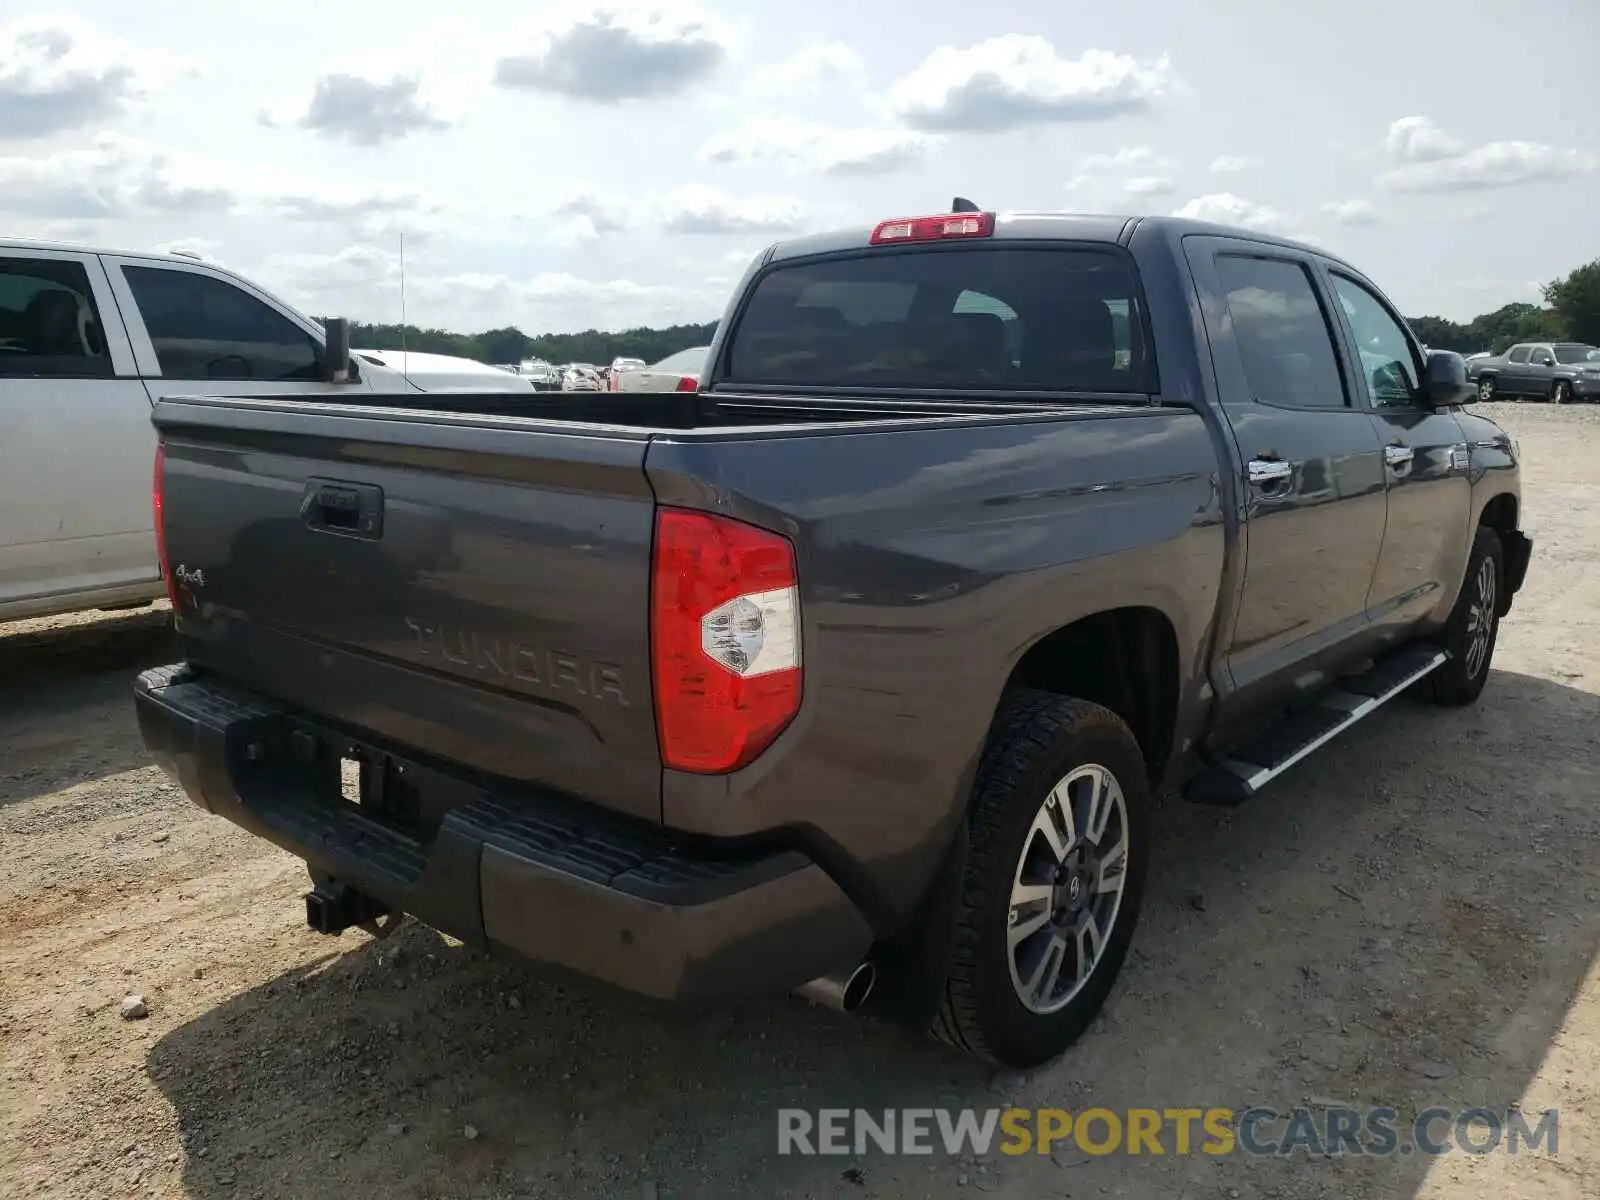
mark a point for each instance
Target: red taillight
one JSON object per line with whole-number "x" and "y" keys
{"x": 158, "y": 497}
{"x": 725, "y": 640}
{"x": 687, "y": 384}
{"x": 935, "y": 228}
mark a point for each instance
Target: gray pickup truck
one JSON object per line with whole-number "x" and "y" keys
{"x": 855, "y": 672}
{"x": 1556, "y": 371}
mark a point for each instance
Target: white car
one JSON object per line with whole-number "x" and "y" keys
{"x": 437, "y": 372}
{"x": 89, "y": 339}
{"x": 620, "y": 366}
{"x": 580, "y": 377}
{"x": 678, "y": 372}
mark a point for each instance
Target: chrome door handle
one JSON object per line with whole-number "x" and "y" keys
{"x": 1398, "y": 456}
{"x": 1269, "y": 470}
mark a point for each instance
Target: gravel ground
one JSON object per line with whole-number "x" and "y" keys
{"x": 1409, "y": 918}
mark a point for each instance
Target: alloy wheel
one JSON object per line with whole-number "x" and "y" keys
{"x": 1067, "y": 888}
{"x": 1481, "y": 617}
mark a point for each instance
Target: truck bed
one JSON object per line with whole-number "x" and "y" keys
{"x": 470, "y": 580}
{"x": 676, "y": 411}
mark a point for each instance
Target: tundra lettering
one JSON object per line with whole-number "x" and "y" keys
{"x": 511, "y": 659}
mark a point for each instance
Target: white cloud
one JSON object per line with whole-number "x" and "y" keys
{"x": 363, "y": 282}
{"x": 1145, "y": 186}
{"x": 1419, "y": 140}
{"x": 1016, "y": 80}
{"x": 1352, "y": 212}
{"x": 115, "y": 178}
{"x": 366, "y": 213}
{"x": 1227, "y": 164}
{"x": 699, "y": 209}
{"x": 1224, "y": 208}
{"x": 613, "y": 52}
{"x": 1427, "y": 159}
{"x": 366, "y": 111}
{"x": 1097, "y": 175}
{"x": 808, "y": 147}
{"x": 815, "y": 64}
{"x": 588, "y": 213}
{"x": 59, "y": 73}
{"x": 1127, "y": 158}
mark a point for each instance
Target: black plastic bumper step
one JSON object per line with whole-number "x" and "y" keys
{"x": 1252, "y": 766}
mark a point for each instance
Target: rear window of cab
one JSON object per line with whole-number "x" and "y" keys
{"x": 974, "y": 318}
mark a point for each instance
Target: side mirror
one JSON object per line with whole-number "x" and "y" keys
{"x": 1444, "y": 382}
{"x": 336, "y": 364}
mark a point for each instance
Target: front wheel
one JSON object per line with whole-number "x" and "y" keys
{"x": 1486, "y": 389}
{"x": 1474, "y": 625}
{"x": 1561, "y": 393}
{"x": 1058, "y": 852}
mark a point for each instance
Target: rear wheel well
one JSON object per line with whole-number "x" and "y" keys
{"x": 1125, "y": 659}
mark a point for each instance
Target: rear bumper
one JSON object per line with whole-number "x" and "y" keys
{"x": 540, "y": 876}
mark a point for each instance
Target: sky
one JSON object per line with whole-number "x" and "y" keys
{"x": 561, "y": 167}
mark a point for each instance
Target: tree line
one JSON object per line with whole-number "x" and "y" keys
{"x": 511, "y": 345}
{"x": 1571, "y": 312}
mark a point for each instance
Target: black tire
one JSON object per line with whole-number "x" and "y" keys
{"x": 1460, "y": 681}
{"x": 1037, "y": 740}
{"x": 1486, "y": 389}
{"x": 1561, "y": 392}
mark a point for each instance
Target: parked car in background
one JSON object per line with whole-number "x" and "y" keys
{"x": 541, "y": 375}
{"x": 620, "y": 366}
{"x": 680, "y": 372}
{"x": 1554, "y": 371}
{"x": 580, "y": 377}
{"x": 870, "y": 659}
{"x": 431, "y": 372}
{"x": 89, "y": 339}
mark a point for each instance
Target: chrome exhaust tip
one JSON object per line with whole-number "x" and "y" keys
{"x": 844, "y": 992}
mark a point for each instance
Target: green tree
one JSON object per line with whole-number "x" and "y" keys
{"x": 1576, "y": 301}
{"x": 1438, "y": 333}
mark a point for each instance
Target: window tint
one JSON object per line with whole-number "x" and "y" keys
{"x": 1282, "y": 333}
{"x": 1574, "y": 353}
{"x": 1519, "y": 354}
{"x": 205, "y": 328}
{"x": 1543, "y": 357}
{"x": 986, "y": 318}
{"x": 1387, "y": 361}
{"x": 49, "y": 326}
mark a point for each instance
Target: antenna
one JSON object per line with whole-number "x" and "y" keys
{"x": 405, "y": 356}
{"x": 962, "y": 205}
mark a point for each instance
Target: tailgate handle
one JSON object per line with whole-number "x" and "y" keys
{"x": 352, "y": 509}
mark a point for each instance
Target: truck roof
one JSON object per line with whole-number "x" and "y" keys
{"x": 1041, "y": 225}
{"x": 7, "y": 243}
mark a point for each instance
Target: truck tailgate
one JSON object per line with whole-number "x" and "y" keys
{"x": 475, "y": 588}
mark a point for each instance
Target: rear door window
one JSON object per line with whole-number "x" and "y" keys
{"x": 968, "y": 318}
{"x": 1285, "y": 342}
{"x": 49, "y": 326}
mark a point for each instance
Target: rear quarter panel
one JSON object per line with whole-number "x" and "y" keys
{"x": 930, "y": 560}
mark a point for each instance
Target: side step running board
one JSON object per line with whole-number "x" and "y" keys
{"x": 1245, "y": 772}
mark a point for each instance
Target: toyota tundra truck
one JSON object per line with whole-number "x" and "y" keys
{"x": 854, "y": 672}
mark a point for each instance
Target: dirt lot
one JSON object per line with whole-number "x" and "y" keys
{"x": 1409, "y": 919}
